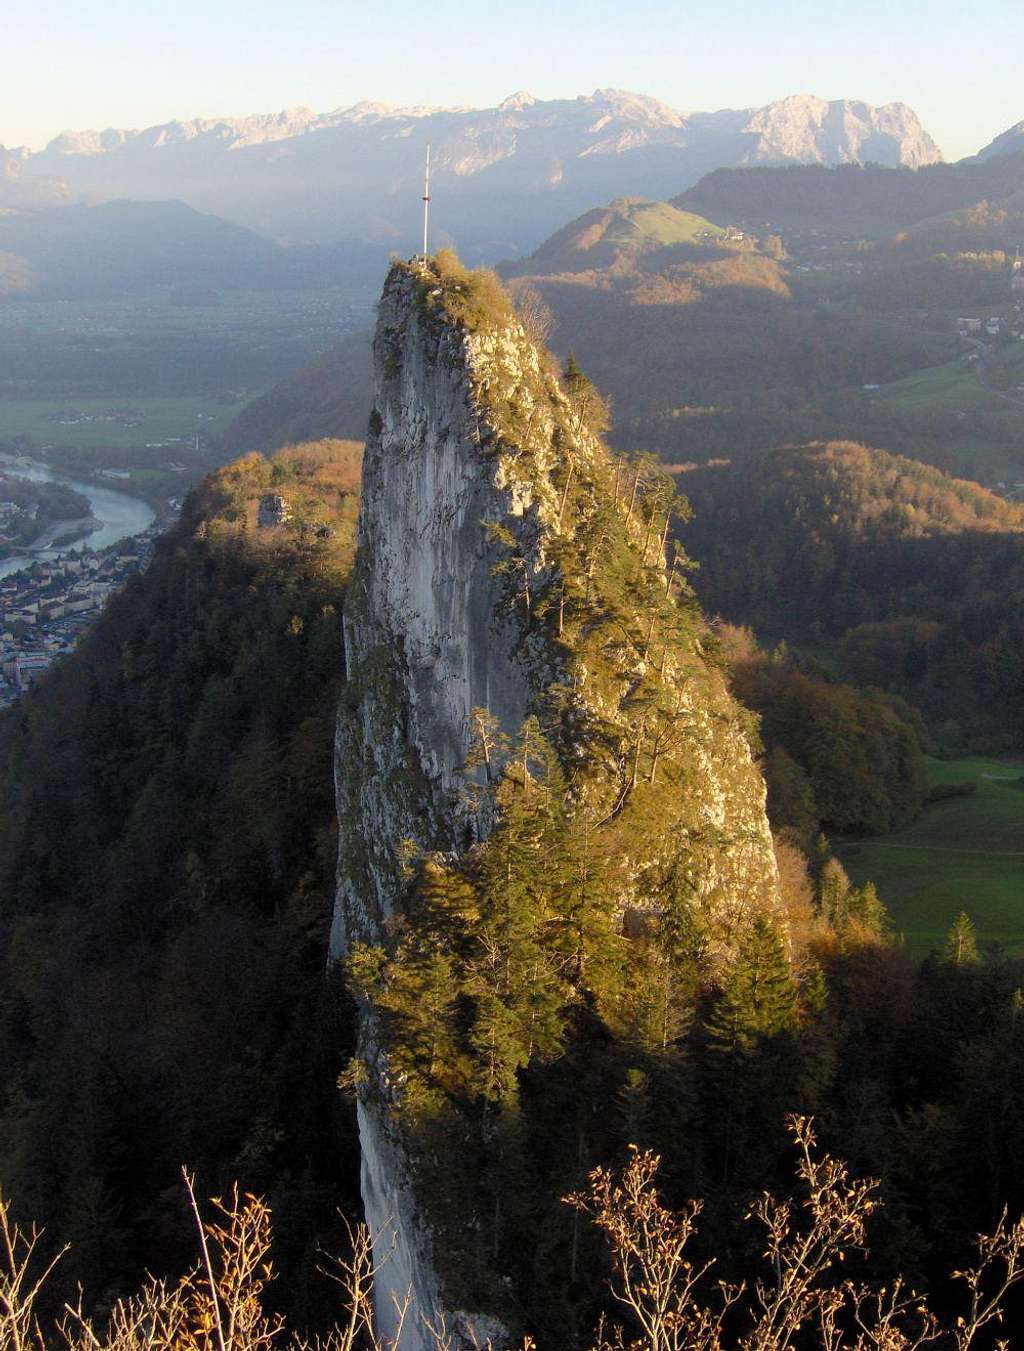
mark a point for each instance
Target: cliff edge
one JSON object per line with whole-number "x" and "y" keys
{"x": 511, "y": 575}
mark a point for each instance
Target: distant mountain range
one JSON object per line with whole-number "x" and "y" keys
{"x": 504, "y": 177}
{"x": 125, "y": 248}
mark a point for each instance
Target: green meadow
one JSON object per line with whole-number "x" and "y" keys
{"x": 964, "y": 853}
{"x": 953, "y": 387}
{"x": 87, "y": 427}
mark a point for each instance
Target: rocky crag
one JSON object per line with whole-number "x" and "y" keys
{"x": 507, "y": 564}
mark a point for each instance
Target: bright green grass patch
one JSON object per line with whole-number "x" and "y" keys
{"x": 965, "y": 853}
{"x": 137, "y": 422}
{"x": 953, "y": 387}
{"x": 657, "y": 222}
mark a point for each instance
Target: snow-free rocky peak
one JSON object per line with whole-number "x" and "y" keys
{"x": 502, "y": 555}
{"x": 806, "y": 130}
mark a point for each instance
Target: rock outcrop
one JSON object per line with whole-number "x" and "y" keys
{"x": 803, "y": 129}
{"x": 474, "y": 589}
{"x": 273, "y": 510}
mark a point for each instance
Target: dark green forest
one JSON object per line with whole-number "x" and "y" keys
{"x": 167, "y": 848}
{"x": 852, "y": 199}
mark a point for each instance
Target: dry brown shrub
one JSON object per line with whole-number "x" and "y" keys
{"x": 670, "y": 1304}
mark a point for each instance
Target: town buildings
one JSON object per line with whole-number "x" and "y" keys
{"x": 45, "y": 608}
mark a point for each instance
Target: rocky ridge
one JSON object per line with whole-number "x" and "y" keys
{"x": 1008, "y": 142}
{"x": 525, "y": 166}
{"x": 803, "y": 129}
{"x": 492, "y": 527}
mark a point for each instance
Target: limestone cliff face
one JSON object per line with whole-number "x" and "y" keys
{"x": 426, "y": 643}
{"x": 476, "y": 482}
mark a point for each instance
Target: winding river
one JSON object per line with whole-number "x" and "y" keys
{"x": 120, "y": 514}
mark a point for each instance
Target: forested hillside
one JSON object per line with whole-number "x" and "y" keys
{"x": 852, "y": 199}
{"x": 127, "y": 248}
{"x": 837, "y": 757}
{"x": 29, "y": 509}
{"x": 914, "y": 580}
{"x": 767, "y": 306}
{"x": 167, "y": 849}
{"x": 168, "y": 839}
{"x": 705, "y": 344}
{"x": 767, "y": 328}
{"x": 700, "y": 328}
{"x": 629, "y": 225}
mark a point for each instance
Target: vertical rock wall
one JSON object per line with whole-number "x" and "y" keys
{"x": 430, "y": 636}
{"x": 427, "y": 641}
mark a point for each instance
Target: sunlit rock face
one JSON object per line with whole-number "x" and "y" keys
{"x": 469, "y": 432}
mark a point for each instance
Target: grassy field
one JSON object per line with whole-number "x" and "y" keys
{"x": 966, "y": 853}
{"x": 660, "y": 223}
{"x": 951, "y": 388}
{"x": 151, "y": 420}
{"x": 983, "y": 432}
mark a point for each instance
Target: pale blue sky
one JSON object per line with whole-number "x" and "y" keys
{"x": 131, "y": 63}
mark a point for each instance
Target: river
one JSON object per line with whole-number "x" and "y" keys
{"x": 121, "y": 515}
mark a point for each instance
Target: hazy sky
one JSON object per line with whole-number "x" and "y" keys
{"x": 131, "y": 63}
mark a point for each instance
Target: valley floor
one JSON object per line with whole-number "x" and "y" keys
{"x": 963, "y": 853}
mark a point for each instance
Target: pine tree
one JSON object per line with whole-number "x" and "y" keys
{"x": 489, "y": 746}
{"x": 759, "y": 997}
{"x": 634, "y": 1103}
{"x": 866, "y": 908}
{"x": 816, "y": 1043}
{"x": 443, "y": 902}
{"x": 588, "y": 411}
{"x": 833, "y": 894}
{"x": 512, "y": 973}
{"x": 585, "y": 893}
{"x": 961, "y": 941}
{"x": 752, "y": 1061}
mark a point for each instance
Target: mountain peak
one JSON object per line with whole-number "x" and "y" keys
{"x": 635, "y": 107}
{"x": 808, "y": 129}
{"x": 520, "y": 99}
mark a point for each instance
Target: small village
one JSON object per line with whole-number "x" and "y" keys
{"x": 45, "y": 609}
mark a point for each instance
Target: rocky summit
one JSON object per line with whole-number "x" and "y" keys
{"x": 511, "y": 576}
